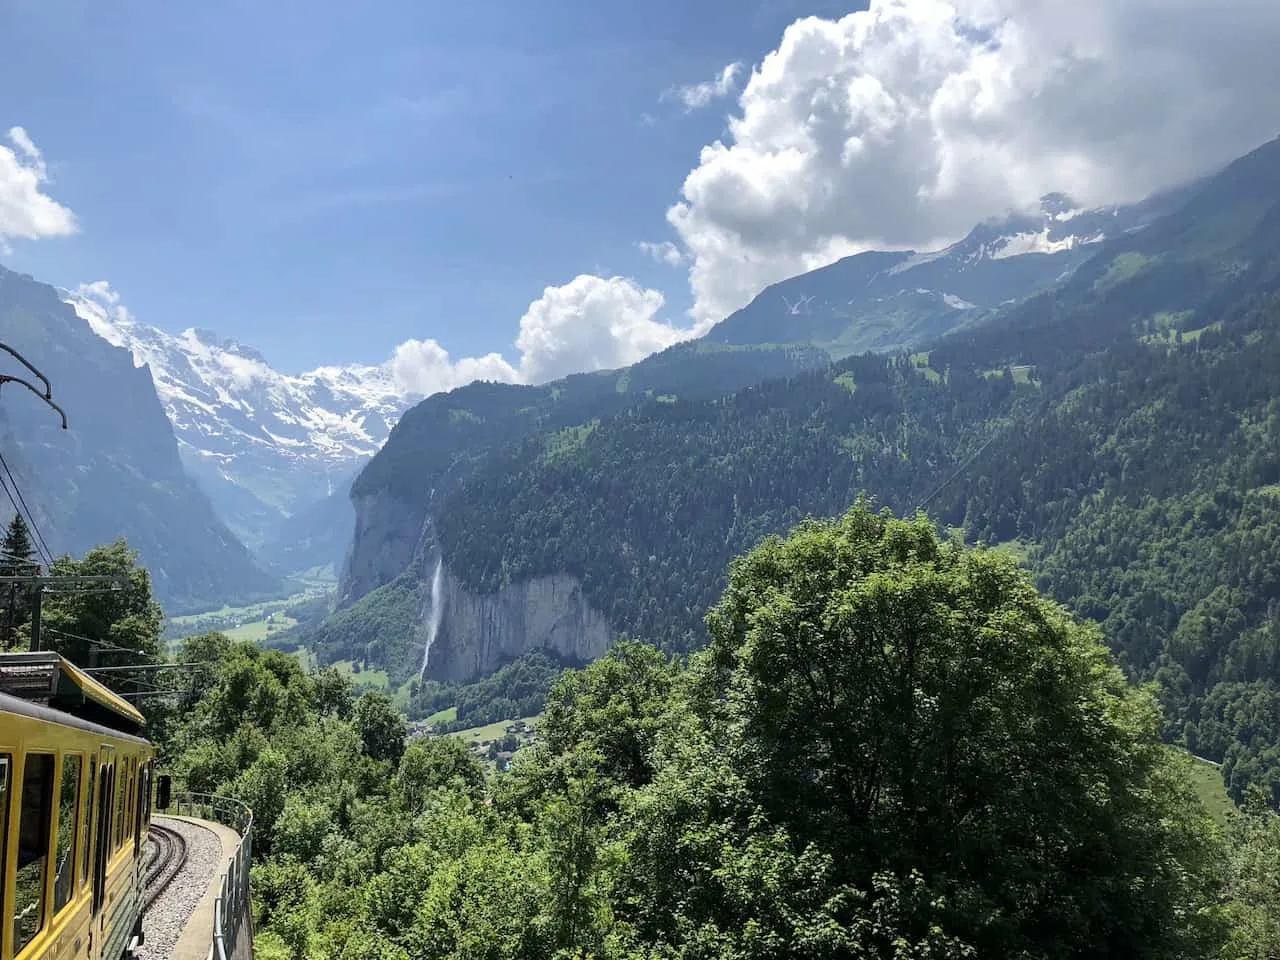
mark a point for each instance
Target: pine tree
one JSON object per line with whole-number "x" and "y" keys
{"x": 17, "y": 547}
{"x": 15, "y": 559}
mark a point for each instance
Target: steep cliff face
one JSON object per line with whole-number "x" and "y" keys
{"x": 428, "y": 616}
{"x": 475, "y": 634}
{"x": 388, "y": 532}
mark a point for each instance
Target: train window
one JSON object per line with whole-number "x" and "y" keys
{"x": 68, "y": 814}
{"x": 128, "y": 800}
{"x": 133, "y": 798}
{"x": 33, "y": 848}
{"x": 117, "y": 837}
{"x": 86, "y": 822}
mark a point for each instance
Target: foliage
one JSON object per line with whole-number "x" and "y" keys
{"x": 1146, "y": 474}
{"x": 109, "y": 626}
{"x": 516, "y": 689}
{"x": 830, "y": 779}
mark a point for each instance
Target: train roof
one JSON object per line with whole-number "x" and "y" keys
{"x": 49, "y": 679}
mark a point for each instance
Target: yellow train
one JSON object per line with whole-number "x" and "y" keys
{"x": 75, "y": 805}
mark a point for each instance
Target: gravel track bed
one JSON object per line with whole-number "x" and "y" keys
{"x": 163, "y": 923}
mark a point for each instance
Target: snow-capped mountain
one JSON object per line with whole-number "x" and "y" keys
{"x": 263, "y": 444}
{"x": 893, "y": 300}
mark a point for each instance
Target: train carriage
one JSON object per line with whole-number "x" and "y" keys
{"x": 75, "y": 805}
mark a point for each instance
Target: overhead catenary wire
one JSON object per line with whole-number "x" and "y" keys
{"x": 102, "y": 644}
{"x": 958, "y": 471}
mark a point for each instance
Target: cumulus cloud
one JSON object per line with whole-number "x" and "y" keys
{"x": 905, "y": 124}
{"x": 26, "y": 211}
{"x": 664, "y": 252}
{"x": 695, "y": 96}
{"x": 424, "y": 367}
{"x": 590, "y": 323}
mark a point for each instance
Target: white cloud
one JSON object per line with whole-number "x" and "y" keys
{"x": 664, "y": 252}
{"x": 905, "y": 124}
{"x": 695, "y": 96}
{"x": 591, "y": 323}
{"x": 26, "y": 212}
{"x": 423, "y": 367}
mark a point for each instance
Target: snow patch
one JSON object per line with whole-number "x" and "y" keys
{"x": 1024, "y": 243}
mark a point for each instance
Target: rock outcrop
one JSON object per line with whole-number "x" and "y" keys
{"x": 476, "y": 634}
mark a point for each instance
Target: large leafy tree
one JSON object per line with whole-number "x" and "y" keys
{"x": 119, "y": 626}
{"x": 900, "y": 706}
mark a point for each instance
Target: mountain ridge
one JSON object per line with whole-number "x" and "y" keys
{"x": 263, "y": 444}
{"x": 116, "y": 470}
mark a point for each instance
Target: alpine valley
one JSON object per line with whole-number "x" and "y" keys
{"x": 1105, "y": 406}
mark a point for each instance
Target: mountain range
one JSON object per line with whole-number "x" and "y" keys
{"x": 115, "y": 471}
{"x": 280, "y": 456}
{"x": 263, "y": 445}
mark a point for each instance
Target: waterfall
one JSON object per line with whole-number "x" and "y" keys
{"x": 433, "y": 625}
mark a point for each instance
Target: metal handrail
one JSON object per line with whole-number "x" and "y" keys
{"x": 231, "y": 910}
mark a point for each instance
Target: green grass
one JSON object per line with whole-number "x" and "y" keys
{"x": 1165, "y": 329}
{"x": 561, "y": 443}
{"x": 367, "y": 677}
{"x": 1207, "y": 781}
{"x": 401, "y": 695}
{"x": 253, "y": 611}
{"x": 1022, "y": 373}
{"x": 1020, "y": 550}
{"x": 1124, "y": 267}
{"x": 447, "y": 715}
{"x": 492, "y": 731}
{"x": 259, "y": 630}
{"x": 246, "y": 622}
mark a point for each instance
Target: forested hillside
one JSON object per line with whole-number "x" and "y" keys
{"x": 1124, "y": 426}
{"x": 439, "y": 442}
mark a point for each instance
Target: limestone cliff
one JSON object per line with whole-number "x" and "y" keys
{"x": 475, "y": 634}
{"x": 387, "y": 538}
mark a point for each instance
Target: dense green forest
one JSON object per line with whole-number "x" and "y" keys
{"x": 892, "y": 747}
{"x": 1143, "y": 477}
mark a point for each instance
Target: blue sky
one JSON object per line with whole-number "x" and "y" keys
{"x": 338, "y": 183}
{"x": 323, "y": 180}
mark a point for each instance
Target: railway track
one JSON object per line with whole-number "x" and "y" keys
{"x": 167, "y": 853}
